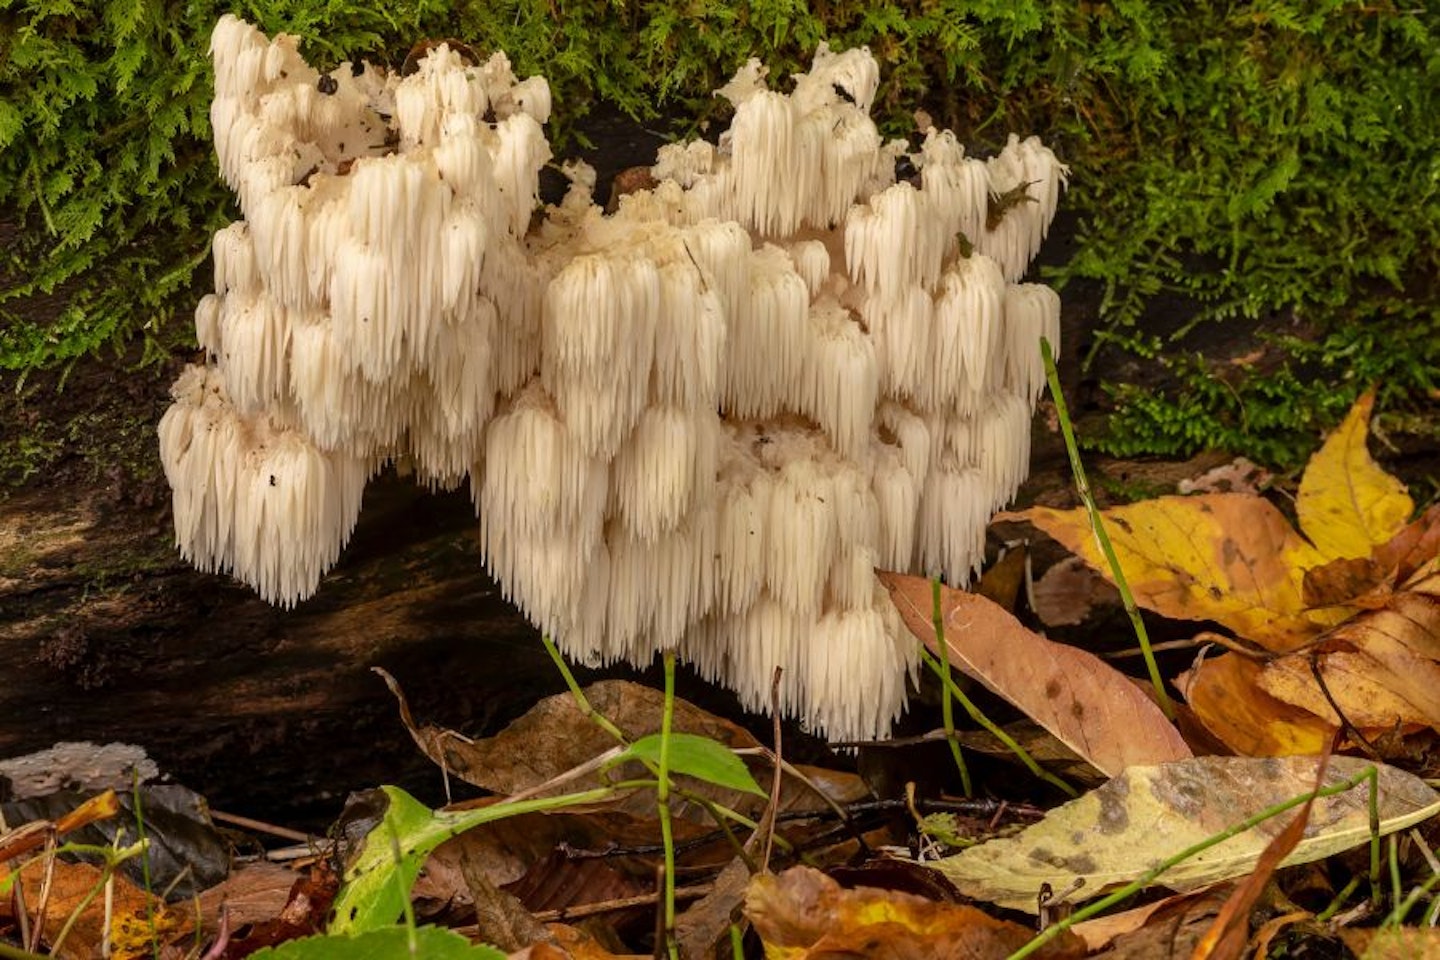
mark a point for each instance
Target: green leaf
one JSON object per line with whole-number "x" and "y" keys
{"x": 378, "y": 881}
{"x": 698, "y": 757}
{"x": 391, "y": 943}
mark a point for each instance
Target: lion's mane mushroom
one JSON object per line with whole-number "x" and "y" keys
{"x": 699, "y": 423}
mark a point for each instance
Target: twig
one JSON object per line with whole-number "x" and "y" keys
{"x": 777, "y": 773}
{"x": 693, "y": 892}
{"x": 260, "y": 826}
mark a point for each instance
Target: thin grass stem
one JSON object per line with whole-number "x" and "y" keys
{"x": 1082, "y": 485}
{"x": 953, "y": 689}
{"x": 947, "y": 708}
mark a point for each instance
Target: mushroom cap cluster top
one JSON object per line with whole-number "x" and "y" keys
{"x": 697, "y": 423}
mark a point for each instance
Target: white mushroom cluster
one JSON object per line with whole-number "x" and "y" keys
{"x": 699, "y": 423}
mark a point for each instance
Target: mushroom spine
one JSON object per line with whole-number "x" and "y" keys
{"x": 698, "y": 423}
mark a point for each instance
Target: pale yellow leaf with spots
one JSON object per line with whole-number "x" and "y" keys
{"x": 1114, "y": 835}
{"x": 1347, "y": 504}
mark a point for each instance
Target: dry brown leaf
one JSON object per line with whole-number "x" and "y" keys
{"x": 1069, "y": 591}
{"x": 252, "y": 894}
{"x": 1089, "y": 705}
{"x": 1382, "y": 668}
{"x": 1238, "y": 476}
{"x": 571, "y": 943}
{"x": 1167, "y": 928}
{"x": 554, "y": 736}
{"x": 1225, "y": 696}
{"x": 510, "y": 847}
{"x": 1410, "y": 619}
{"x": 1415, "y": 547}
{"x": 1168, "y": 913}
{"x": 73, "y": 896}
{"x": 1370, "y": 694}
{"x": 706, "y": 922}
{"x": 1347, "y": 505}
{"x": 804, "y": 915}
{"x": 1363, "y": 583}
{"x": 1393, "y": 943}
{"x": 1368, "y": 583}
{"x": 1227, "y": 557}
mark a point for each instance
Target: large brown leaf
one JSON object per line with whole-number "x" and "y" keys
{"x": 1090, "y": 706}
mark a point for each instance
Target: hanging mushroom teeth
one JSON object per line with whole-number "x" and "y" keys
{"x": 697, "y": 422}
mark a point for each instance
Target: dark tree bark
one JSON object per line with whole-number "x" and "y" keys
{"x": 107, "y": 635}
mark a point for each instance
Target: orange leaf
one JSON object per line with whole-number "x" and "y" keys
{"x": 1347, "y": 505}
{"x": 1090, "y": 706}
{"x": 1225, "y": 695}
{"x": 1414, "y": 547}
{"x": 802, "y": 914}
{"x": 1227, "y": 557}
{"x": 1381, "y": 667}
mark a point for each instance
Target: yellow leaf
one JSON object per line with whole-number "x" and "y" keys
{"x": 1227, "y": 557}
{"x": 1347, "y": 504}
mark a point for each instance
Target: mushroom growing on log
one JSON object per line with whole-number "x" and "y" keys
{"x": 697, "y": 423}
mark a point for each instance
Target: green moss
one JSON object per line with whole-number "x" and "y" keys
{"x": 24, "y": 455}
{"x": 90, "y": 430}
{"x": 1279, "y": 154}
{"x": 16, "y": 560}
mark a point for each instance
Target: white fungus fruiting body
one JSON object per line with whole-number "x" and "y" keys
{"x": 699, "y": 423}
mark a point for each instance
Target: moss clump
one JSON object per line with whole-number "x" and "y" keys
{"x": 1276, "y": 155}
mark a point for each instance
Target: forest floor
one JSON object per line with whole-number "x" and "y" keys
{"x": 274, "y": 717}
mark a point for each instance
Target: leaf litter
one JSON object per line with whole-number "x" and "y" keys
{"x": 1326, "y": 631}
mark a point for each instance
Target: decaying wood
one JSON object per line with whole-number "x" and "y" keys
{"x": 106, "y": 634}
